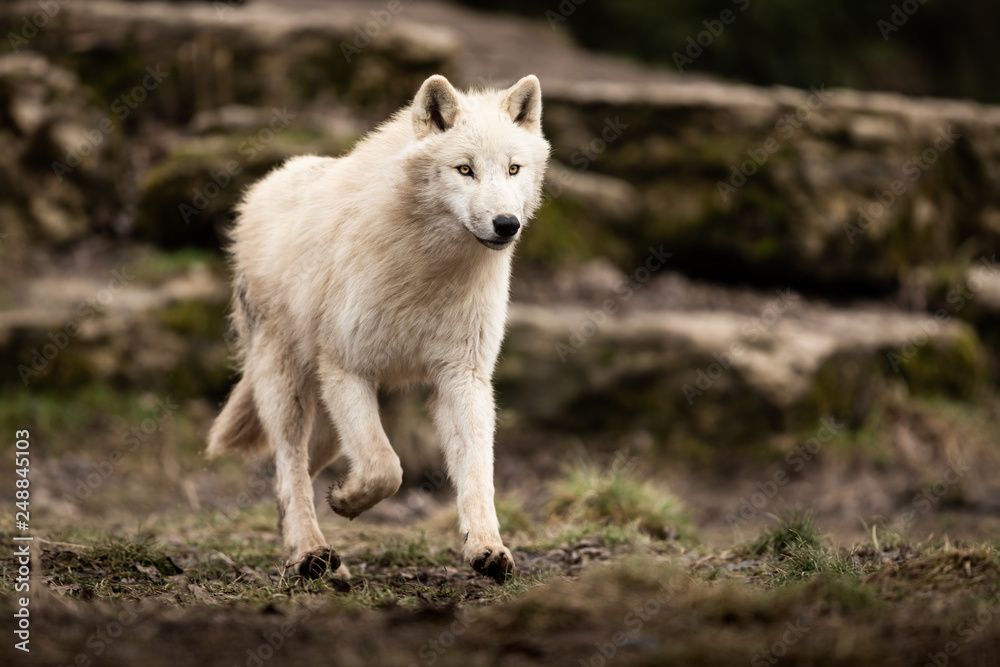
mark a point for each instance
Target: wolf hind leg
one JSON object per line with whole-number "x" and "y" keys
{"x": 287, "y": 412}
{"x": 324, "y": 445}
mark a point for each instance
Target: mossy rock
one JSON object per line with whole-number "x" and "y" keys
{"x": 791, "y": 213}
{"x": 61, "y": 168}
{"x": 564, "y": 234}
{"x": 679, "y": 376}
{"x": 209, "y": 55}
{"x": 955, "y": 367}
{"x": 167, "y": 337}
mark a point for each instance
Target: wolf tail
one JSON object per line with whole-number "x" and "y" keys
{"x": 238, "y": 428}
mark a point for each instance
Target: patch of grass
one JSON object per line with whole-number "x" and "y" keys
{"x": 886, "y": 536}
{"x": 61, "y": 418}
{"x": 513, "y": 517}
{"x": 794, "y": 551}
{"x": 795, "y": 531}
{"x": 403, "y": 553}
{"x": 966, "y": 570}
{"x": 614, "y": 496}
{"x": 114, "y": 568}
{"x": 53, "y": 415}
{"x": 117, "y": 553}
{"x": 809, "y": 561}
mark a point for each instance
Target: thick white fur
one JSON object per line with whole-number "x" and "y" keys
{"x": 375, "y": 270}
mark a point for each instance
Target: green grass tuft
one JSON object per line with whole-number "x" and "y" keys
{"x": 799, "y": 554}
{"x": 614, "y": 496}
{"x": 795, "y": 531}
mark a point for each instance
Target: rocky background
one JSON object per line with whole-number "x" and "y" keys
{"x": 724, "y": 278}
{"x": 864, "y": 225}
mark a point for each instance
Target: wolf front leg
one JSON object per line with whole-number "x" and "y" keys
{"x": 375, "y": 472}
{"x": 464, "y": 415}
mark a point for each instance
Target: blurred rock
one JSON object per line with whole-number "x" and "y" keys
{"x": 705, "y": 380}
{"x": 835, "y": 189}
{"x": 723, "y": 378}
{"x": 59, "y": 156}
{"x": 821, "y": 187}
{"x": 972, "y": 294}
{"x": 832, "y": 189}
{"x": 175, "y": 59}
{"x": 118, "y": 329}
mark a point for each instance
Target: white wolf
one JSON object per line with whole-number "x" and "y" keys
{"x": 386, "y": 267}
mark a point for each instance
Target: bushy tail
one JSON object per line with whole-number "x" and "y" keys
{"x": 237, "y": 429}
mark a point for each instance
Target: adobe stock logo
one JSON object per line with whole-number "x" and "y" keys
{"x": 625, "y": 289}
{"x": 898, "y": 18}
{"x": 784, "y": 129}
{"x": 37, "y": 21}
{"x": 913, "y": 169}
{"x": 697, "y": 44}
{"x": 381, "y": 19}
{"x": 249, "y": 148}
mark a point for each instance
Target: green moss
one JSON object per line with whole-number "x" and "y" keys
{"x": 564, "y": 234}
{"x": 112, "y": 73}
{"x": 195, "y": 318}
{"x": 754, "y": 227}
{"x": 205, "y": 368}
{"x": 720, "y": 149}
{"x": 188, "y": 198}
{"x": 322, "y": 67}
{"x": 952, "y": 367}
{"x": 843, "y": 386}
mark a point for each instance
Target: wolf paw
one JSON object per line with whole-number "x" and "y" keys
{"x": 352, "y": 496}
{"x": 316, "y": 563}
{"x": 335, "y": 498}
{"x": 341, "y": 503}
{"x": 494, "y": 562}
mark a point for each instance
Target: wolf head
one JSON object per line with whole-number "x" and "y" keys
{"x": 478, "y": 158}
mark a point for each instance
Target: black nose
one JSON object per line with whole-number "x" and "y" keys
{"x": 506, "y": 225}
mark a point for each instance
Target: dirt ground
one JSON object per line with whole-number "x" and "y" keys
{"x": 878, "y": 552}
{"x": 179, "y": 563}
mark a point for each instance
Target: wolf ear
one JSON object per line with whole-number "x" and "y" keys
{"x": 523, "y": 102}
{"x": 435, "y": 106}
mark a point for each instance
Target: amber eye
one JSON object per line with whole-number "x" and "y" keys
{"x": 514, "y": 168}
{"x": 465, "y": 170}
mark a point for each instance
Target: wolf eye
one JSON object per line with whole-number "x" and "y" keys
{"x": 514, "y": 168}
{"x": 464, "y": 170}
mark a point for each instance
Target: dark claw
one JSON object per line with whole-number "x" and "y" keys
{"x": 498, "y": 568}
{"x": 315, "y": 565}
{"x": 479, "y": 564}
